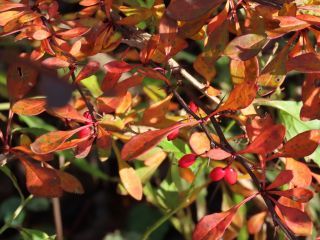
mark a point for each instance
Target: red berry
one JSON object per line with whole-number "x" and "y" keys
{"x": 193, "y": 107}
{"x": 187, "y": 160}
{"x": 173, "y": 135}
{"x": 231, "y": 175}
{"x": 88, "y": 116}
{"x": 217, "y": 174}
{"x": 84, "y": 132}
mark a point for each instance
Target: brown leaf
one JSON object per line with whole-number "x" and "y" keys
{"x": 141, "y": 143}
{"x": 70, "y": 183}
{"x": 299, "y": 194}
{"x": 187, "y": 10}
{"x": 29, "y": 106}
{"x": 41, "y": 182}
{"x": 72, "y": 33}
{"x": 305, "y": 63}
{"x": 168, "y": 29}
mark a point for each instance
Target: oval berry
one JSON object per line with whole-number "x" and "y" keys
{"x": 187, "y": 160}
{"x": 193, "y": 107}
{"x": 173, "y": 135}
{"x": 231, "y": 175}
{"x": 84, "y": 132}
{"x": 217, "y": 174}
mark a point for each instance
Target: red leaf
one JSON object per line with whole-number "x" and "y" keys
{"x": 283, "y": 177}
{"x": 141, "y": 143}
{"x": 301, "y": 195}
{"x": 117, "y": 67}
{"x": 84, "y": 147}
{"x": 70, "y": 183}
{"x": 257, "y": 125}
{"x": 29, "y": 106}
{"x": 213, "y": 226}
{"x": 51, "y": 141}
{"x": 88, "y": 70}
{"x": 267, "y": 141}
{"x": 41, "y": 182}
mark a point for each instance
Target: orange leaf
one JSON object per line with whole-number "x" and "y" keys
{"x": 199, "y": 142}
{"x": 29, "y": 106}
{"x": 301, "y": 173}
{"x": 213, "y": 226}
{"x": 41, "y": 182}
{"x": 70, "y": 183}
{"x": 88, "y": 70}
{"x": 54, "y": 62}
{"x": 41, "y": 34}
{"x": 311, "y": 98}
{"x": 301, "y": 195}
{"x": 141, "y": 143}
{"x": 257, "y": 125}
{"x": 267, "y": 141}
{"x": 51, "y": 141}
{"x": 8, "y": 16}
{"x": 25, "y": 150}
{"x": 283, "y": 177}
{"x": 255, "y": 222}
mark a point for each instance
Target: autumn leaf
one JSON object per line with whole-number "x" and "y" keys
{"x": 217, "y": 154}
{"x": 302, "y": 176}
{"x": 67, "y": 112}
{"x": 283, "y": 177}
{"x": 89, "y": 69}
{"x": 141, "y": 143}
{"x": 51, "y": 141}
{"x": 255, "y": 222}
{"x": 168, "y": 29}
{"x": 305, "y": 63}
{"x": 311, "y": 98}
{"x": 267, "y": 141}
{"x": 29, "y": 106}
{"x": 40, "y": 181}
{"x": 298, "y": 194}
{"x": 70, "y": 183}
{"x": 214, "y": 225}
{"x": 117, "y": 67}
{"x": 245, "y": 47}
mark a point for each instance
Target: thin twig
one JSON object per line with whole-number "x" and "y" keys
{"x": 57, "y": 218}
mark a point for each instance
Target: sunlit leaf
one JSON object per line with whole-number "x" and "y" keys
{"x": 283, "y": 177}
{"x": 29, "y": 106}
{"x": 255, "y": 222}
{"x": 301, "y": 173}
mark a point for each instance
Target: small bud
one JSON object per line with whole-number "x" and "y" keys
{"x": 231, "y": 175}
{"x": 193, "y": 107}
{"x": 88, "y": 116}
{"x": 187, "y": 160}
{"x": 173, "y": 135}
{"x": 217, "y": 174}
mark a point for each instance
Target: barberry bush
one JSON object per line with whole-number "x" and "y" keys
{"x": 208, "y": 110}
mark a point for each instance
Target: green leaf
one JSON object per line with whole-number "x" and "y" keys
{"x": 289, "y": 115}
{"x": 35, "y": 122}
{"x": 31, "y": 234}
{"x": 92, "y": 84}
{"x": 8, "y": 207}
